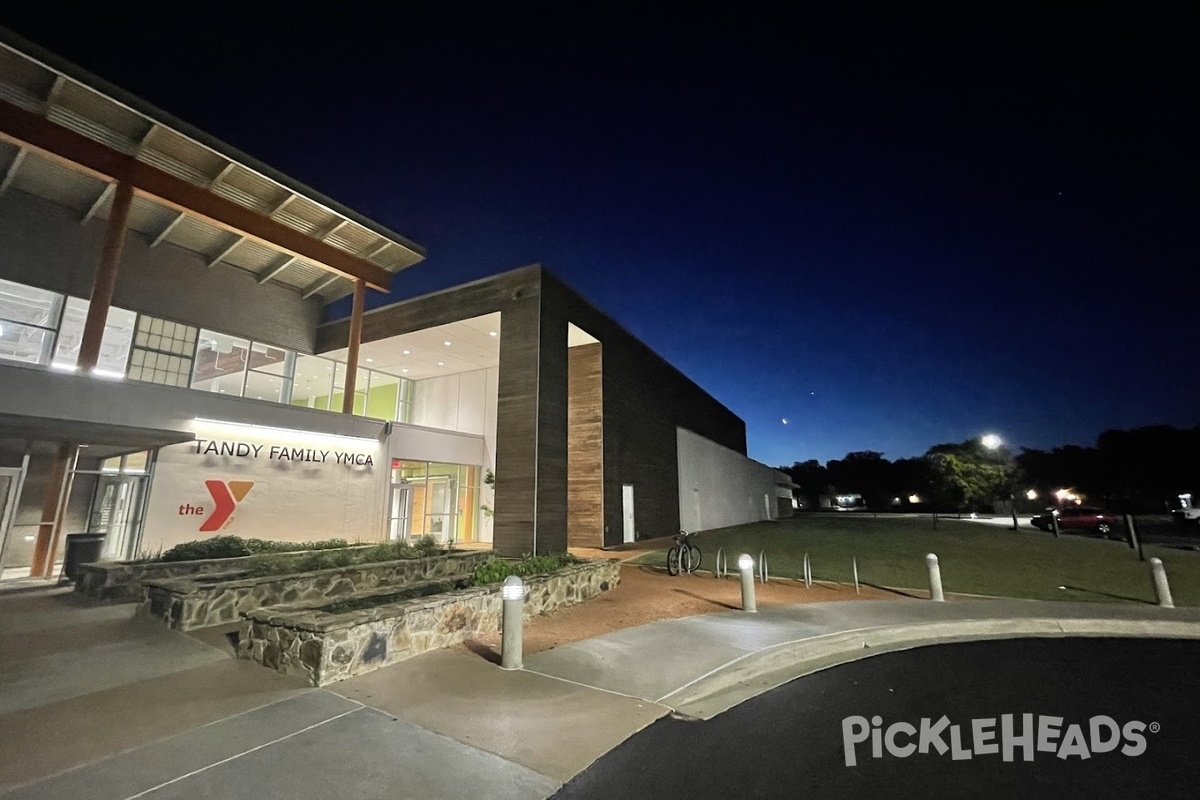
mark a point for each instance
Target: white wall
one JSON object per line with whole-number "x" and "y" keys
{"x": 463, "y": 402}
{"x": 720, "y": 487}
{"x": 305, "y": 486}
{"x": 413, "y": 443}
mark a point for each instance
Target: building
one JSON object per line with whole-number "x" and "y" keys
{"x": 165, "y": 373}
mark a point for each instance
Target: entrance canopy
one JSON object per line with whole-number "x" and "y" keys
{"x": 103, "y": 441}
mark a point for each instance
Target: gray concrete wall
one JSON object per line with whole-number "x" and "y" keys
{"x": 46, "y": 246}
{"x": 719, "y": 487}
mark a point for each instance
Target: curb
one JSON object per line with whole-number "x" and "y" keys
{"x": 759, "y": 672}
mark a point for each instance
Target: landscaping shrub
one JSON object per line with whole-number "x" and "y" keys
{"x": 384, "y": 551}
{"x": 495, "y": 570}
{"x": 236, "y": 547}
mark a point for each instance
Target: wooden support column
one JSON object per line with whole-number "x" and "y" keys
{"x": 106, "y": 278}
{"x": 356, "y": 322}
{"x": 58, "y": 489}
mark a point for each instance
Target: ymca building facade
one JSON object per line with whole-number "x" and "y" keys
{"x": 167, "y": 372}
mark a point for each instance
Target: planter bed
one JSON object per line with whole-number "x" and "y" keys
{"x": 324, "y": 642}
{"x": 202, "y": 601}
{"x": 123, "y": 581}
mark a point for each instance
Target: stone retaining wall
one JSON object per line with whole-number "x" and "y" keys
{"x": 201, "y": 601}
{"x": 123, "y": 581}
{"x": 304, "y": 640}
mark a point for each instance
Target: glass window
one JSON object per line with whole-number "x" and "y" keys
{"x": 360, "y": 389}
{"x": 404, "y": 411}
{"x": 114, "y": 343}
{"x": 25, "y": 343}
{"x": 262, "y": 386}
{"x": 220, "y": 364}
{"x": 162, "y": 351}
{"x": 383, "y": 394}
{"x": 270, "y": 376}
{"x": 20, "y": 303}
{"x": 312, "y": 383}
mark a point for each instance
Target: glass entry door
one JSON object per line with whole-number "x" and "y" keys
{"x": 115, "y": 512}
{"x": 400, "y": 511}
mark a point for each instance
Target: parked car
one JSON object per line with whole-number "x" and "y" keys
{"x": 1079, "y": 518}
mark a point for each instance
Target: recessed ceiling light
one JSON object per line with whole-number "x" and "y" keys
{"x": 441, "y": 363}
{"x": 370, "y": 360}
{"x": 404, "y": 370}
{"x": 447, "y": 343}
{"x": 406, "y": 352}
{"x": 491, "y": 333}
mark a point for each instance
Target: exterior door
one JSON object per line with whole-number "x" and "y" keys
{"x": 10, "y": 482}
{"x": 116, "y": 513}
{"x": 627, "y": 512}
{"x": 400, "y": 511}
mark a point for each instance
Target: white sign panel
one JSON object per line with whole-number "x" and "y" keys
{"x": 266, "y": 483}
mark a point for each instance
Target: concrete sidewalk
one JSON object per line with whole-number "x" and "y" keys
{"x": 109, "y": 707}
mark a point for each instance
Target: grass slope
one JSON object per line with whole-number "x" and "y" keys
{"x": 975, "y": 558}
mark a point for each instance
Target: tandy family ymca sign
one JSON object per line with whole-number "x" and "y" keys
{"x": 277, "y": 452}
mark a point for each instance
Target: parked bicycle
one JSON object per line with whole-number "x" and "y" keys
{"x": 683, "y": 556}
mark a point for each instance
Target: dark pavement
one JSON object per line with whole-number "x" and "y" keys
{"x": 789, "y": 742}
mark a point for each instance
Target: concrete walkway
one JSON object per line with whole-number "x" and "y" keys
{"x": 98, "y": 704}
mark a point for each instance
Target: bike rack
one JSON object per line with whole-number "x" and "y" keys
{"x": 763, "y": 574}
{"x": 722, "y": 563}
{"x": 808, "y": 580}
{"x": 854, "y": 564}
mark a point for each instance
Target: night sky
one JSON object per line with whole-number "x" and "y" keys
{"x": 891, "y": 231}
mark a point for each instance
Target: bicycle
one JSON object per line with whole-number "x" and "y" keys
{"x": 683, "y": 556}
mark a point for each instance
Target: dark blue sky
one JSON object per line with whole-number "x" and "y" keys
{"x": 891, "y": 231}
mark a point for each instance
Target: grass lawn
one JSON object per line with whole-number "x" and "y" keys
{"x": 975, "y": 558}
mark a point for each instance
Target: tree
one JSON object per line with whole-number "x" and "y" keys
{"x": 811, "y": 477}
{"x": 968, "y": 475}
{"x": 864, "y": 472}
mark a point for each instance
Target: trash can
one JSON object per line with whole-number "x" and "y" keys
{"x": 82, "y": 548}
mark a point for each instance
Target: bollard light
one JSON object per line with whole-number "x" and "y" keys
{"x": 746, "y": 567}
{"x": 512, "y": 621}
{"x": 514, "y": 588}
{"x": 935, "y": 578}
{"x": 1162, "y": 589}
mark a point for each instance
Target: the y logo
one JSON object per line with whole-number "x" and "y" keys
{"x": 226, "y": 496}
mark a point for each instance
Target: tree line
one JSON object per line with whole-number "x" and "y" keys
{"x": 1137, "y": 470}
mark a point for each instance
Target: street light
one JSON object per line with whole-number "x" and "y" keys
{"x": 991, "y": 441}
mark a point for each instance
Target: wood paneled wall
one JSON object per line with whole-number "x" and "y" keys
{"x": 585, "y": 446}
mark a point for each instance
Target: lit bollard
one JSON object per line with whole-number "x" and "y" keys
{"x": 935, "y": 578}
{"x": 1162, "y": 589}
{"x": 513, "y": 619}
{"x": 746, "y": 567}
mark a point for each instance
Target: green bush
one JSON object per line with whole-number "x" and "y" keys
{"x": 216, "y": 547}
{"x": 236, "y": 547}
{"x": 495, "y": 570}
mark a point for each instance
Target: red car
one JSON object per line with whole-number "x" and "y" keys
{"x": 1080, "y": 518}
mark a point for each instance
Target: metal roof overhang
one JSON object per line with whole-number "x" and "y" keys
{"x": 67, "y": 136}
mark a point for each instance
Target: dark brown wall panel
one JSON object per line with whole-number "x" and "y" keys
{"x": 516, "y": 429}
{"x": 585, "y": 447}
{"x": 644, "y": 400}
{"x": 551, "y": 527}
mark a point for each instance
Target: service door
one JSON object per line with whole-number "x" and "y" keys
{"x": 627, "y": 512}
